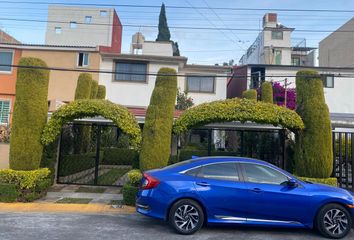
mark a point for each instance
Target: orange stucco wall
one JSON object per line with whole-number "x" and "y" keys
{"x": 8, "y": 81}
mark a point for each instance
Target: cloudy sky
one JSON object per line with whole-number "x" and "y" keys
{"x": 203, "y": 46}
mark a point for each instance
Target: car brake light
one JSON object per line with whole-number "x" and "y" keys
{"x": 149, "y": 182}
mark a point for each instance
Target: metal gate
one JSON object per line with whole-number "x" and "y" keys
{"x": 93, "y": 154}
{"x": 343, "y": 158}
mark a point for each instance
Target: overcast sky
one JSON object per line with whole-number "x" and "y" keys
{"x": 200, "y": 46}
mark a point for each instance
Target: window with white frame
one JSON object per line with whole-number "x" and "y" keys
{"x": 57, "y": 30}
{"x": 131, "y": 71}
{"x": 88, "y": 19}
{"x": 277, "y": 35}
{"x": 203, "y": 84}
{"x": 103, "y": 13}
{"x": 4, "y": 111}
{"x": 83, "y": 59}
{"x": 328, "y": 80}
{"x": 73, "y": 25}
{"x": 6, "y": 58}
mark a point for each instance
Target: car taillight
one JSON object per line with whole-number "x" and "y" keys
{"x": 149, "y": 182}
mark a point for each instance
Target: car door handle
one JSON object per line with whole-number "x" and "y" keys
{"x": 257, "y": 190}
{"x": 203, "y": 184}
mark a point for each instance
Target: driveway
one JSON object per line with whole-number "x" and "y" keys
{"x": 33, "y": 226}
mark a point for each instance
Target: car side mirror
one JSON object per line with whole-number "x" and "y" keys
{"x": 292, "y": 183}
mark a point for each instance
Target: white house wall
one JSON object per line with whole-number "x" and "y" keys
{"x": 138, "y": 94}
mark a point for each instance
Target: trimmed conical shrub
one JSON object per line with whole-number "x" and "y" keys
{"x": 250, "y": 94}
{"x": 164, "y": 31}
{"x": 101, "y": 92}
{"x": 94, "y": 89}
{"x": 313, "y": 149}
{"x": 30, "y": 115}
{"x": 267, "y": 92}
{"x": 155, "y": 150}
{"x": 83, "y": 87}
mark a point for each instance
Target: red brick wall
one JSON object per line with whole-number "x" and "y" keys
{"x": 117, "y": 30}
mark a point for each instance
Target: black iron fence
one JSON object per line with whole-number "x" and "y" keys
{"x": 267, "y": 145}
{"x": 343, "y": 158}
{"x": 94, "y": 154}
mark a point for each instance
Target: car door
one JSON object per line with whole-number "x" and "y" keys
{"x": 270, "y": 199}
{"x": 220, "y": 188}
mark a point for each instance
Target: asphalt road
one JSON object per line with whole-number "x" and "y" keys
{"x": 42, "y": 226}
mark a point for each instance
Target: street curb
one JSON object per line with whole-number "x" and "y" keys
{"x": 64, "y": 208}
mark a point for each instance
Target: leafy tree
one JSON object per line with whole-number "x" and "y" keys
{"x": 313, "y": 147}
{"x": 155, "y": 150}
{"x": 267, "y": 92}
{"x": 250, "y": 94}
{"x": 30, "y": 115}
{"x": 183, "y": 101}
{"x": 164, "y": 31}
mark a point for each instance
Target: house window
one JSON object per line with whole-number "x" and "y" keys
{"x": 200, "y": 84}
{"x": 57, "y": 30}
{"x": 328, "y": 80}
{"x": 295, "y": 61}
{"x": 103, "y": 13}
{"x": 135, "y": 72}
{"x": 73, "y": 24}
{"x": 88, "y": 19}
{"x": 83, "y": 60}
{"x": 277, "y": 57}
{"x": 4, "y": 111}
{"x": 6, "y": 59}
{"x": 277, "y": 35}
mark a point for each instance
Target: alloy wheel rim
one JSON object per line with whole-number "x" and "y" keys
{"x": 186, "y": 217}
{"x": 335, "y": 221}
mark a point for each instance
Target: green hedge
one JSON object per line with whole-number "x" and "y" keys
{"x": 29, "y": 185}
{"x": 267, "y": 92}
{"x": 120, "y": 156}
{"x": 313, "y": 147}
{"x": 101, "y": 92}
{"x": 250, "y": 94}
{"x": 236, "y": 109}
{"x": 120, "y": 116}
{"x": 328, "y": 181}
{"x": 30, "y": 115}
{"x": 75, "y": 163}
{"x": 129, "y": 194}
{"x": 156, "y": 146}
{"x": 134, "y": 177}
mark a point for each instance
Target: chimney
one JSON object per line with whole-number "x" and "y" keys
{"x": 270, "y": 20}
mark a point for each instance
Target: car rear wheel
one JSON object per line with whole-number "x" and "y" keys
{"x": 186, "y": 216}
{"x": 333, "y": 221}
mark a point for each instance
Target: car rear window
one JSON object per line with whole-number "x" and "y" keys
{"x": 179, "y": 164}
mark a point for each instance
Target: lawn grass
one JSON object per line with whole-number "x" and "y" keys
{"x": 91, "y": 190}
{"x": 110, "y": 177}
{"x": 75, "y": 200}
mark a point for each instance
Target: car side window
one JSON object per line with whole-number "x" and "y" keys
{"x": 257, "y": 173}
{"x": 220, "y": 171}
{"x": 193, "y": 171}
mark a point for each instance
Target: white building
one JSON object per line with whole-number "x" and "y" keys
{"x": 338, "y": 85}
{"x": 78, "y": 26}
{"x": 203, "y": 83}
{"x": 274, "y": 45}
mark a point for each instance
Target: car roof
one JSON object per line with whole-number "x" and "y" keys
{"x": 212, "y": 159}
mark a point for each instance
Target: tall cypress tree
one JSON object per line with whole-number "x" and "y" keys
{"x": 164, "y": 31}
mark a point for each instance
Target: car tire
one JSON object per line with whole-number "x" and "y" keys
{"x": 333, "y": 221}
{"x": 186, "y": 216}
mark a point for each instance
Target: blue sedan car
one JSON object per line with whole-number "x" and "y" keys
{"x": 233, "y": 190}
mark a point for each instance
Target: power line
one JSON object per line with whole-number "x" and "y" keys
{"x": 181, "y": 7}
{"x": 155, "y": 74}
{"x": 173, "y": 27}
